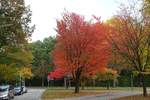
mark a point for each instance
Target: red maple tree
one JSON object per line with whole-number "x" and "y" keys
{"x": 81, "y": 47}
{"x": 58, "y": 73}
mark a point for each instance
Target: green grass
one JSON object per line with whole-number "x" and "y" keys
{"x": 60, "y": 92}
{"x": 51, "y": 94}
{"x": 137, "y": 97}
{"x": 102, "y": 88}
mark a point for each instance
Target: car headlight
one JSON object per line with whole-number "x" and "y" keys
{"x": 4, "y": 96}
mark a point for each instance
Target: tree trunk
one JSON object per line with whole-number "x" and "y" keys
{"x": 114, "y": 83}
{"x": 143, "y": 85}
{"x": 77, "y": 86}
{"x": 42, "y": 81}
{"x": 93, "y": 81}
{"x": 77, "y": 79}
{"x": 69, "y": 83}
{"x": 82, "y": 85}
{"x": 24, "y": 82}
{"x": 108, "y": 85}
{"x": 65, "y": 83}
{"x": 21, "y": 85}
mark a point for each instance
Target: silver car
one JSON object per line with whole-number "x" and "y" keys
{"x": 6, "y": 92}
{"x": 24, "y": 89}
{"x": 18, "y": 90}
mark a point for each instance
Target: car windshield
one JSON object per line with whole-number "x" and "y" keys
{"x": 17, "y": 88}
{"x": 3, "y": 89}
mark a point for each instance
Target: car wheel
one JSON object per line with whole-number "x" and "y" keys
{"x": 9, "y": 98}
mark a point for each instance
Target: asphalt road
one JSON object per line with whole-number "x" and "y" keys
{"x": 32, "y": 94}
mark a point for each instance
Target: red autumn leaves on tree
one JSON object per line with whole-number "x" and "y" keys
{"x": 57, "y": 74}
{"x": 81, "y": 47}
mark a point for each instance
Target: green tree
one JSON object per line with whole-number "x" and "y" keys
{"x": 15, "y": 18}
{"x": 15, "y": 32}
{"x": 42, "y": 52}
{"x": 107, "y": 76}
{"x": 15, "y": 59}
{"x": 7, "y": 73}
{"x": 130, "y": 40}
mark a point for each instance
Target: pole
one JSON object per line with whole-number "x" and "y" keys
{"x": 48, "y": 83}
{"x": 131, "y": 82}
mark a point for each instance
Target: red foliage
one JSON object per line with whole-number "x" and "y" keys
{"x": 57, "y": 73}
{"x": 81, "y": 46}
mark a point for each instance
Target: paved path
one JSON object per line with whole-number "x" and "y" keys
{"x": 33, "y": 94}
{"x": 106, "y": 96}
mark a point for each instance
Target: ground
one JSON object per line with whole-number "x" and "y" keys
{"x": 105, "y": 96}
{"x": 136, "y": 97}
{"x": 32, "y": 94}
{"x": 89, "y": 93}
{"x": 62, "y": 93}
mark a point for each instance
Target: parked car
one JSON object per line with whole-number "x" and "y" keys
{"x": 24, "y": 89}
{"x": 6, "y": 92}
{"x": 18, "y": 90}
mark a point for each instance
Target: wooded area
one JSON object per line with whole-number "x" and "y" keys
{"x": 110, "y": 53}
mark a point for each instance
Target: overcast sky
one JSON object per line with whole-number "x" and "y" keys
{"x": 45, "y": 12}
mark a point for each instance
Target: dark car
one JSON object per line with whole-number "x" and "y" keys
{"x": 18, "y": 90}
{"x": 6, "y": 92}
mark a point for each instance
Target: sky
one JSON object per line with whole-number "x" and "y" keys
{"x": 45, "y": 13}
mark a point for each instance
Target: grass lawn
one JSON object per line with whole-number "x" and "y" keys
{"x": 137, "y": 97}
{"x": 51, "y": 94}
{"x": 60, "y": 92}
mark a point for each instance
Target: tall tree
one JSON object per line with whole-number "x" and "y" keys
{"x": 14, "y": 23}
{"x": 130, "y": 40}
{"x": 80, "y": 47}
{"x": 42, "y": 60}
{"x": 15, "y": 32}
